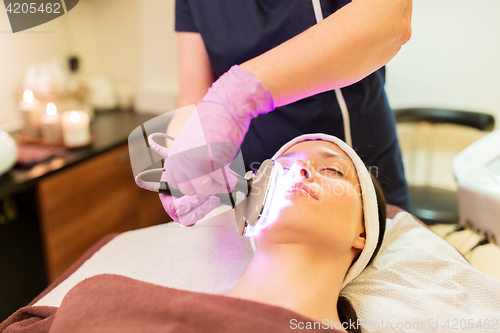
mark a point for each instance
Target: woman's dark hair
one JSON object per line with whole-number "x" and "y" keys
{"x": 344, "y": 307}
{"x": 382, "y": 215}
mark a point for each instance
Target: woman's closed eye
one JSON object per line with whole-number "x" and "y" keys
{"x": 331, "y": 172}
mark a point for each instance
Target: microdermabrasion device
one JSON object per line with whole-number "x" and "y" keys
{"x": 251, "y": 197}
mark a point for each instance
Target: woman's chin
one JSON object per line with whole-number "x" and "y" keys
{"x": 289, "y": 216}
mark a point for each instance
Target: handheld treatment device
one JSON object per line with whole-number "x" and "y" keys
{"x": 253, "y": 212}
{"x": 253, "y": 194}
{"x": 251, "y": 197}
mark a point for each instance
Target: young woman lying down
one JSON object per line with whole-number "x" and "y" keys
{"x": 329, "y": 223}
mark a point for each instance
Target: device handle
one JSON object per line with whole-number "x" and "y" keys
{"x": 228, "y": 199}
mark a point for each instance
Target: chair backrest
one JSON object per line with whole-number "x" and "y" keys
{"x": 477, "y": 120}
{"x": 431, "y": 137}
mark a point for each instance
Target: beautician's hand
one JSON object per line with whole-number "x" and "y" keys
{"x": 189, "y": 209}
{"x": 223, "y": 117}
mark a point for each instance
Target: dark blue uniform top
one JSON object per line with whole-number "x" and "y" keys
{"x": 235, "y": 31}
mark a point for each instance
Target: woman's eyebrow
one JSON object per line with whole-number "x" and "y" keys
{"x": 287, "y": 155}
{"x": 326, "y": 154}
{"x": 323, "y": 153}
{"x": 330, "y": 154}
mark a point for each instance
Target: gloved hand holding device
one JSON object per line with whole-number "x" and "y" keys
{"x": 224, "y": 114}
{"x": 189, "y": 209}
{"x": 186, "y": 210}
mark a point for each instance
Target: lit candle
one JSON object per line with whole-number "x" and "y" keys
{"x": 30, "y": 114}
{"x": 75, "y": 126}
{"x": 51, "y": 124}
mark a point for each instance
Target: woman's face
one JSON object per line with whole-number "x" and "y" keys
{"x": 319, "y": 199}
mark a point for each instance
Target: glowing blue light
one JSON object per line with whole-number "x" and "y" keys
{"x": 273, "y": 203}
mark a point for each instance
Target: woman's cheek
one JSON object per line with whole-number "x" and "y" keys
{"x": 340, "y": 197}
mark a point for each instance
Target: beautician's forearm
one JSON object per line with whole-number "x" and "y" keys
{"x": 344, "y": 48}
{"x": 195, "y": 77}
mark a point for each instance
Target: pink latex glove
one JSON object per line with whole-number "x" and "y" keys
{"x": 189, "y": 209}
{"x": 221, "y": 120}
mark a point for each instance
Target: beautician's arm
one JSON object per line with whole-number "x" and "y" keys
{"x": 195, "y": 76}
{"x": 347, "y": 46}
{"x": 344, "y": 48}
{"x": 195, "y": 71}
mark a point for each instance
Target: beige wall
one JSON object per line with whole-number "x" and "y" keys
{"x": 115, "y": 25}
{"x": 158, "y": 73}
{"x": 452, "y": 59}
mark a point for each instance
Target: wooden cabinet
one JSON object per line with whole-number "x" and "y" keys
{"x": 80, "y": 205}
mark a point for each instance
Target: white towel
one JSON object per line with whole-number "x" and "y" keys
{"x": 420, "y": 279}
{"x": 210, "y": 257}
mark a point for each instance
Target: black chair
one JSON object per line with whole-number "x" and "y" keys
{"x": 432, "y": 204}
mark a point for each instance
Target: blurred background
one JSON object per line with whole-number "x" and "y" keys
{"x": 115, "y": 61}
{"x": 131, "y": 43}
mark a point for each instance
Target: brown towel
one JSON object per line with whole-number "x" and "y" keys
{"x": 113, "y": 303}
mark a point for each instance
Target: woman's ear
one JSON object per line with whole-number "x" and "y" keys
{"x": 360, "y": 241}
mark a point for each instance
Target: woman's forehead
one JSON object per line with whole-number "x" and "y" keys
{"x": 317, "y": 147}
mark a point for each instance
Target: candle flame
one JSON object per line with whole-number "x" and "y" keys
{"x": 74, "y": 116}
{"x": 28, "y": 96}
{"x": 51, "y": 109}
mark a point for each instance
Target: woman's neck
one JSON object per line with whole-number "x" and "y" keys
{"x": 290, "y": 276}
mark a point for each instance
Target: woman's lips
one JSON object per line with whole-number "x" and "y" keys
{"x": 303, "y": 190}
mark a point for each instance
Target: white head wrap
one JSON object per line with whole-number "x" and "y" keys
{"x": 369, "y": 198}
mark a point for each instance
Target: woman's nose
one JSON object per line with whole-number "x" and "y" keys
{"x": 303, "y": 170}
